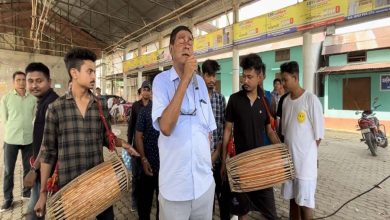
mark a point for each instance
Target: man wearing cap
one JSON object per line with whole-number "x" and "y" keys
{"x": 136, "y": 164}
{"x": 146, "y": 138}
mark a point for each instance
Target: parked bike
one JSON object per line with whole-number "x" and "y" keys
{"x": 373, "y": 133}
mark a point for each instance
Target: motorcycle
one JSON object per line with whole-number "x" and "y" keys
{"x": 373, "y": 133}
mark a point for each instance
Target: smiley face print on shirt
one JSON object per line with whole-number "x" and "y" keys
{"x": 301, "y": 117}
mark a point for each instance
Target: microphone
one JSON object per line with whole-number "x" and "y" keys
{"x": 195, "y": 80}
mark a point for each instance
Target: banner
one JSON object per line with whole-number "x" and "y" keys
{"x": 318, "y": 13}
{"x": 283, "y": 21}
{"x": 131, "y": 64}
{"x": 250, "y": 30}
{"x": 361, "y": 8}
{"x": 213, "y": 41}
{"x": 149, "y": 59}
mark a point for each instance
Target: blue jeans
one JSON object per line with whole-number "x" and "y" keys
{"x": 10, "y": 156}
{"x": 33, "y": 200}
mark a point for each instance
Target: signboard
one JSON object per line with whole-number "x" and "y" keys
{"x": 250, "y": 30}
{"x": 322, "y": 12}
{"x": 385, "y": 82}
{"x": 213, "y": 41}
{"x": 361, "y": 8}
{"x": 130, "y": 64}
{"x": 283, "y": 21}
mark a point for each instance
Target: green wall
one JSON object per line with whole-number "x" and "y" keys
{"x": 335, "y": 90}
{"x": 272, "y": 68}
{"x": 378, "y": 56}
{"x": 335, "y": 83}
{"x": 226, "y": 76}
{"x": 338, "y": 60}
{"x": 372, "y": 57}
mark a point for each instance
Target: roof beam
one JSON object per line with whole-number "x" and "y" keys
{"x": 101, "y": 13}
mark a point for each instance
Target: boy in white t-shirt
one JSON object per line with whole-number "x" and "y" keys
{"x": 303, "y": 129}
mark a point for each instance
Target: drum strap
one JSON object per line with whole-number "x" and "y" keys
{"x": 110, "y": 135}
{"x": 271, "y": 118}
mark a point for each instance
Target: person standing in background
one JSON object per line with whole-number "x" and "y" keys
{"x": 16, "y": 113}
{"x": 39, "y": 85}
{"x": 145, "y": 93}
{"x": 218, "y": 103}
{"x": 146, "y": 138}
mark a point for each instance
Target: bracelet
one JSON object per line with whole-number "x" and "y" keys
{"x": 144, "y": 159}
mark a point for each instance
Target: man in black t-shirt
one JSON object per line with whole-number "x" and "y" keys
{"x": 247, "y": 115}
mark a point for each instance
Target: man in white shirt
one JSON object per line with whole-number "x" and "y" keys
{"x": 182, "y": 113}
{"x": 303, "y": 130}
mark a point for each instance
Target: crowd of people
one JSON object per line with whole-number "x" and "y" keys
{"x": 178, "y": 135}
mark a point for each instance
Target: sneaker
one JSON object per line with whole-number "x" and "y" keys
{"x": 6, "y": 206}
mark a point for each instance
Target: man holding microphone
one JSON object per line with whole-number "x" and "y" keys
{"x": 182, "y": 113}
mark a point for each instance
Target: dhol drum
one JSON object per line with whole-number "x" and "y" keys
{"x": 259, "y": 168}
{"x": 91, "y": 193}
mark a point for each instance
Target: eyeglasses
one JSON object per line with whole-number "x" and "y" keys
{"x": 193, "y": 113}
{"x": 189, "y": 112}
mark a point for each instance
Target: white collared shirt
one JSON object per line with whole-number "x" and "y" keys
{"x": 185, "y": 159}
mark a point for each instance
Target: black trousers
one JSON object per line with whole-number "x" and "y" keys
{"x": 261, "y": 200}
{"x": 136, "y": 168}
{"x": 107, "y": 214}
{"x": 147, "y": 188}
{"x": 10, "y": 156}
{"x": 222, "y": 192}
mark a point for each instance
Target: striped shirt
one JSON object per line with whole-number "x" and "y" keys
{"x": 218, "y": 104}
{"x": 74, "y": 140}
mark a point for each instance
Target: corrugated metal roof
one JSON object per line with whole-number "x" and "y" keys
{"x": 361, "y": 40}
{"x": 356, "y": 68}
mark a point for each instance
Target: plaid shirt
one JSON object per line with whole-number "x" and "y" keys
{"x": 218, "y": 104}
{"x": 75, "y": 141}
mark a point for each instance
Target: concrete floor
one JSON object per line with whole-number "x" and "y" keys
{"x": 346, "y": 169}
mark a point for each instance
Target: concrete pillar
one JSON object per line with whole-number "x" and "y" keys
{"x": 311, "y": 55}
{"x": 139, "y": 79}
{"x": 103, "y": 81}
{"x": 125, "y": 89}
{"x": 236, "y": 57}
{"x": 326, "y": 95}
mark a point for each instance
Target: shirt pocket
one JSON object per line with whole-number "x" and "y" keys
{"x": 203, "y": 115}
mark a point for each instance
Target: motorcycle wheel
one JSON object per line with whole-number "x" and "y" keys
{"x": 384, "y": 142}
{"x": 370, "y": 141}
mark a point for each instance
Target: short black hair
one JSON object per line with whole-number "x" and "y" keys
{"x": 139, "y": 91}
{"x": 253, "y": 61}
{"x": 40, "y": 67}
{"x": 98, "y": 88}
{"x": 211, "y": 67}
{"x": 291, "y": 67}
{"x": 17, "y": 73}
{"x": 174, "y": 32}
{"x": 76, "y": 56}
{"x": 277, "y": 80}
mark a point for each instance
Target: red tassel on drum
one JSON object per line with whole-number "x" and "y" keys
{"x": 231, "y": 148}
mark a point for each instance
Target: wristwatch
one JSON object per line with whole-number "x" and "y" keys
{"x": 34, "y": 169}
